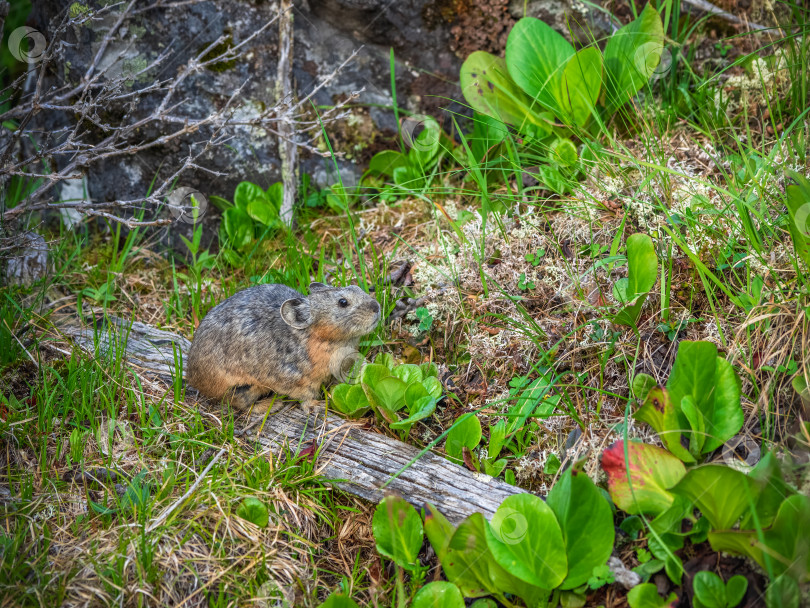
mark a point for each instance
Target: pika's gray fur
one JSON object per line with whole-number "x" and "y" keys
{"x": 271, "y": 339}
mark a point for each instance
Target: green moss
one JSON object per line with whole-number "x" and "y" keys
{"x": 219, "y": 66}
{"x": 78, "y": 10}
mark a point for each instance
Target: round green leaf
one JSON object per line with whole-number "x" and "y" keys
{"x": 238, "y": 227}
{"x": 433, "y": 386}
{"x": 564, "y": 152}
{"x": 736, "y": 587}
{"x": 709, "y": 589}
{"x": 338, "y": 600}
{"x": 580, "y": 85}
{"x": 408, "y": 373}
{"x": 527, "y": 541}
{"x": 245, "y": 193}
{"x": 254, "y": 511}
{"x": 439, "y": 594}
{"x": 263, "y": 212}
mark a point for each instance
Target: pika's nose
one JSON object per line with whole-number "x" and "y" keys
{"x": 375, "y": 306}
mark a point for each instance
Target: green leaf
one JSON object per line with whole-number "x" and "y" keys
{"x": 374, "y": 372}
{"x": 646, "y": 596}
{"x": 787, "y": 550}
{"x": 386, "y": 161}
{"x": 798, "y": 205}
{"x": 433, "y": 386}
{"x": 580, "y": 86}
{"x": 408, "y": 373}
{"x": 245, "y": 193}
{"x": 642, "y": 265}
{"x": 536, "y": 56}
{"x": 697, "y": 423}
{"x": 497, "y": 434}
{"x": 275, "y": 194}
{"x": 527, "y": 541}
{"x": 438, "y": 530}
{"x": 338, "y": 600}
{"x": 386, "y": 396}
{"x": 660, "y": 413}
{"x": 238, "y": 228}
{"x": 438, "y": 594}
{"x": 710, "y": 591}
{"x": 783, "y": 593}
{"x": 587, "y": 525}
{"x": 527, "y": 403}
{"x": 263, "y": 212}
{"x": 641, "y": 487}
{"x": 385, "y": 359}
{"x": 563, "y": 152}
{"x": 769, "y": 490}
{"x": 631, "y": 56}
{"x": 398, "y": 531}
{"x": 425, "y": 146}
{"x": 465, "y": 433}
{"x": 736, "y": 587}
{"x": 350, "y": 400}
{"x": 724, "y": 415}
{"x": 642, "y": 384}
{"x": 488, "y": 88}
{"x": 424, "y": 407}
{"x": 429, "y": 370}
{"x": 254, "y": 511}
{"x": 720, "y": 492}
{"x": 693, "y": 374}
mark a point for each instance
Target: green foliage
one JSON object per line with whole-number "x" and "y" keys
{"x": 438, "y": 594}
{"x": 425, "y": 318}
{"x": 544, "y": 77}
{"x": 531, "y": 548}
{"x": 398, "y": 532}
{"x": 700, "y": 404}
{"x": 255, "y": 511}
{"x": 646, "y": 596}
{"x": 387, "y": 389}
{"x": 254, "y": 212}
{"x": 465, "y": 433}
{"x": 409, "y": 170}
{"x": 712, "y": 592}
{"x": 339, "y": 600}
{"x": 642, "y": 265}
{"x": 798, "y": 204}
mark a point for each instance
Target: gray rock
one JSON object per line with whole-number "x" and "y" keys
{"x": 421, "y": 32}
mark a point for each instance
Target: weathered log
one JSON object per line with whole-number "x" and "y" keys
{"x": 361, "y": 461}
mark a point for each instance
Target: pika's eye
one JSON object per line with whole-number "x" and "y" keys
{"x": 343, "y": 302}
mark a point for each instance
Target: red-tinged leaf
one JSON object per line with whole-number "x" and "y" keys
{"x": 641, "y": 487}
{"x": 310, "y": 450}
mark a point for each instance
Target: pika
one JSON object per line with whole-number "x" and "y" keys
{"x": 271, "y": 339}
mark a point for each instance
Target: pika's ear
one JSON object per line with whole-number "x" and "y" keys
{"x": 296, "y": 313}
{"x": 313, "y": 287}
